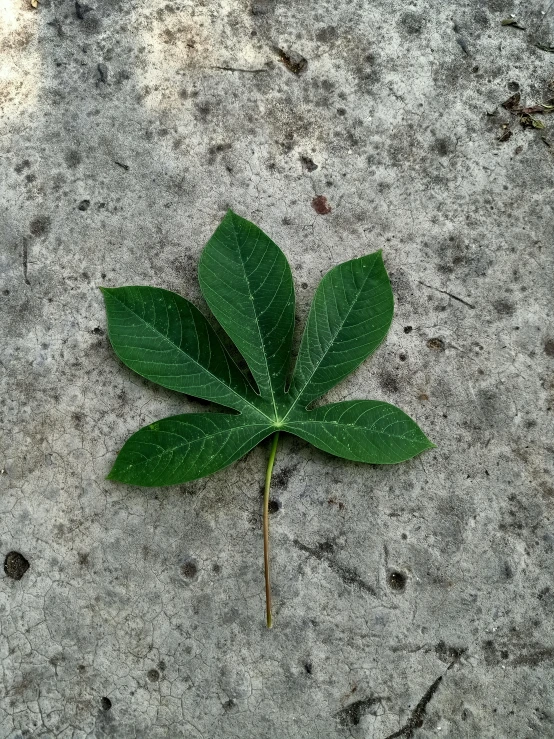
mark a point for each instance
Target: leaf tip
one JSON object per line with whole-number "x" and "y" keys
{"x": 230, "y": 215}
{"x": 112, "y": 475}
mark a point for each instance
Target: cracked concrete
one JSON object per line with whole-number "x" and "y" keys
{"x": 126, "y": 130}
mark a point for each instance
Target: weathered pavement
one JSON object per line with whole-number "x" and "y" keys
{"x": 126, "y": 131}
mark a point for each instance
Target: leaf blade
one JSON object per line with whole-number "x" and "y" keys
{"x": 350, "y": 316}
{"x": 166, "y": 339}
{"x": 246, "y": 280}
{"x": 368, "y": 431}
{"x": 186, "y": 447}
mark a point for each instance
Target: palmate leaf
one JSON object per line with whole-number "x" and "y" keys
{"x": 247, "y": 283}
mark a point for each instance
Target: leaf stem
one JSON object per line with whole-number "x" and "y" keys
{"x": 272, "y": 453}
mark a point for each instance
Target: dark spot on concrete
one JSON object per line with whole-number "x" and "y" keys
{"x": 549, "y": 347}
{"x": 490, "y": 653}
{"x": 453, "y": 253}
{"x": 90, "y": 22}
{"x": 308, "y": 163}
{"x": 324, "y": 35}
{"x": 81, "y": 668}
{"x": 203, "y": 109}
{"x": 513, "y": 86}
{"x": 7, "y": 292}
{"x": 105, "y": 703}
{"x": 304, "y": 286}
{"x": 81, "y": 10}
{"x": 548, "y": 490}
{"x": 436, "y": 344}
{"x": 40, "y": 226}
{"x": 308, "y": 668}
{"x": 274, "y": 506}
{"x": 402, "y": 356}
{"x": 326, "y": 547}
{"x": 500, "y": 6}
{"x": 262, "y": 7}
{"x": 229, "y": 705}
{"x": 447, "y": 653}
{"x": 216, "y": 568}
{"x": 214, "y": 151}
{"x": 161, "y": 665}
{"x": 98, "y": 331}
{"x": 101, "y": 74}
{"x": 293, "y": 61}
{"x": 412, "y": 23}
{"x": 442, "y": 147}
{"x": 25, "y": 164}
{"x": 353, "y": 714}
{"x": 341, "y": 112}
{"x": 84, "y": 205}
{"x": 15, "y": 565}
{"x": 30, "y": 178}
{"x": 281, "y": 479}
{"x": 320, "y": 205}
{"x": 153, "y": 675}
{"x": 83, "y": 558}
{"x": 408, "y": 329}
{"x": 72, "y": 158}
{"x": 535, "y": 655}
{"x": 389, "y": 383}
{"x": 78, "y": 419}
{"x": 189, "y": 569}
{"x": 397, "y": 580}
{"x": 504, "y": 307}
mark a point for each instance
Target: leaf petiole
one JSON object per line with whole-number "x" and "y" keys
{"x": 272, "y": 453}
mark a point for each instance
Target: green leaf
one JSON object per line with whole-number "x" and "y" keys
{"x": 247, "y": 283}
{"x": 361, "y": 430}
{"x": 246, "y": 280}
{"x": 350, "y": 316}
{"x": 166, "y": 339}
{"x": 183, "y": 448}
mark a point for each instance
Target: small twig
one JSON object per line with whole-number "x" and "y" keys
{"x": 450, "y": 295}
{"x": 238, "y": 69}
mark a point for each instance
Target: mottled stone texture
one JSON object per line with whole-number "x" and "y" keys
{"x": 409, "y": 600}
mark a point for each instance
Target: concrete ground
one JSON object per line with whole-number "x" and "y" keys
{"x": 415, "y": 600}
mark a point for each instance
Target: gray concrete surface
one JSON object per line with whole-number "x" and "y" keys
{"x": 410, "y": 600}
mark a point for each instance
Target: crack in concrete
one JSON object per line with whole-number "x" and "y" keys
{"x": 352, "y": 714}
{"x": 418, "y": 714}
{"x": 346, "y": 574}
{"x": 25, "y": 260}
